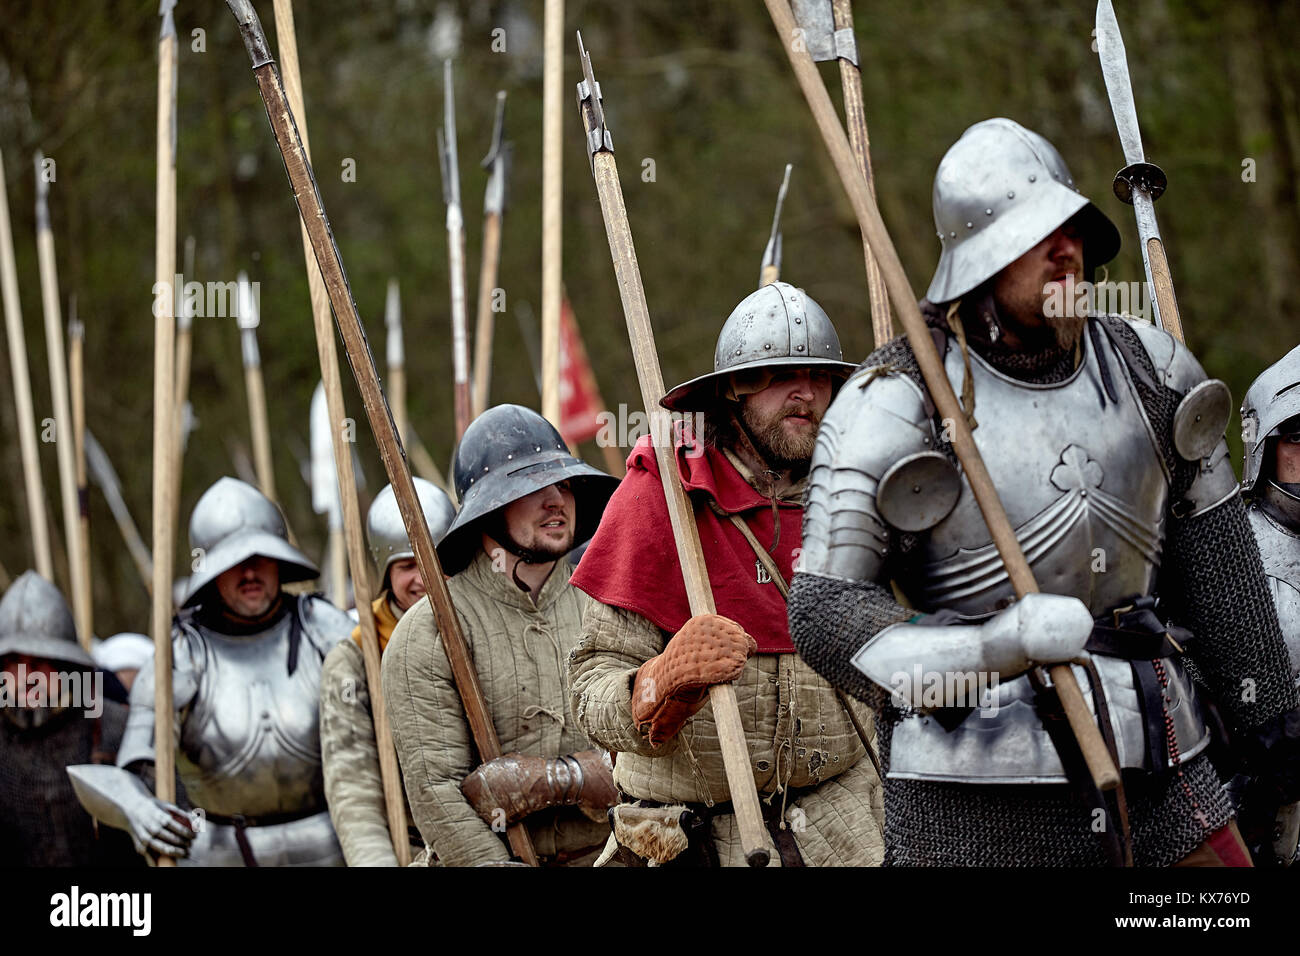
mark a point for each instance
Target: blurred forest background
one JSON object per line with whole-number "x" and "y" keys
{"x": 701, "y": 88}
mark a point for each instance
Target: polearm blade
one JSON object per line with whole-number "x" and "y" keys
{"x": 103, "y": 474}
{"x": 686, "y": 534}
{"x": 455, "y": 252}
{"x": 395, "y": 353}
{"x": 255, "y": 387}
{"x": 325, "y": 493}
{"x": 311, "y": 210}
{"x": 77, "y": 392}
{"x": 497, "y": 162}
{"x": 770, "y": 269}
{"x": 1139, "y": 183}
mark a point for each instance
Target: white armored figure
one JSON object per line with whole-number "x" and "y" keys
{"x": 246, "y": 674}
{"x": 1104, "y": 438}
{"x": 1270, "y": 424}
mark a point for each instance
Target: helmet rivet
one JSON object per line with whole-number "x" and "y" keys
{"x": 737, "y": 351}
{"x": 1033, "y": 178}
{"x": 988, "y": 212}
{"x": 485, "y": 468}
{"x": 798, "y": 348}
{"x": 537, "y": 448}
{"x": 508, "y": 457}
{"x": 798, "y": 321}
{"x": 1011, "y": 194}
{"x": 1070, "y": 181}
{"x": 768, "y": 346}
{"x": 953, "y": 235}
{"x": 970, "y": 225}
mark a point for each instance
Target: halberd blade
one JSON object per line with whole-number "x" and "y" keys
{"x": 1114, "y": 68}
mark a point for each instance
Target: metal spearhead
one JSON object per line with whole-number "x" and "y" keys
{"x": 396, "y": 351}
{"x": 772, "y": 254}
{"x": 248, "y": 320}
{"x": 325, "y": 498}
{"x": 498, "y": 162}
{"x": 447, "y": 158}
{"x": 823, "y": 42}
{"x": 598, "y": 135}
{"x": 42, "y": 194}
{"x": 76, "y": 328}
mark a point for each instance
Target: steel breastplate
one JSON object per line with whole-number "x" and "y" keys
{"x": 250, "y": 742}
{"x": 1086, "y": 490}
{"x": 1279, "y": 547}
{"x": 1082, "y": 482}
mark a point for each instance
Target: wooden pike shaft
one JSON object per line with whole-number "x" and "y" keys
{"x": 353, "y": 543}
{"x": 77, "y": 382}
{"x": 63, "y": 439}
{"x": 40, "y": 528}
{"x": 900, "y": 292}
{"x": 726, "y": 714}
{"x": 255, "y": 386}
{"x": 855, "y": 118}
{"x": 487, "y": 280}
{"x": 552, "y": 205}
{"x": 312, "y": 211}
{"x": 164, "y": 394}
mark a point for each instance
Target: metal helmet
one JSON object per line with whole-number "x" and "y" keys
{"x": 999, "y": 191}
{"x": 386, "y": 532}
{"x": 506, "y": 454}
{"x": 233, "y": 522}
{"x": 1270, "y": 402}
{"x": 777, "y": 325}
{"x": 35, "y": 621}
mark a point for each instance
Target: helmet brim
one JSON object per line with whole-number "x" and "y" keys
{"x": 703, "y": 393}
{"x": 236, "y": 549}
{"x": 592, "y": 489}
{"x": 965, "y": 266}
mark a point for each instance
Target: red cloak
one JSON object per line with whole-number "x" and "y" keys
{"x": 632, "y": 561}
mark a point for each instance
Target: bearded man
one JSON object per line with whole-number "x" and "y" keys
{"x": 1105, "y": 440}
{"x": 349, "y": 752}
{"x": 640, "y": 676}
{"x": 524, "y": 502}
{"x": 246, "y": 667}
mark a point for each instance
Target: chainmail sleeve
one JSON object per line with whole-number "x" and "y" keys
{"x": 839, "y": 596}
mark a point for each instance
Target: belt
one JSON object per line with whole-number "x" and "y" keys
{"x": 241, "y": 822}
{"x": 703, "y": 813}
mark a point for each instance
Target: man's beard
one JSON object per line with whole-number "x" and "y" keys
{"x": 780, "y": 449}
{"x": 1062, "y": 331}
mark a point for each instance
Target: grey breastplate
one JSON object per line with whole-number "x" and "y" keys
{"x": 1279, "y": 547}
{"x": 1082, "y": 483}
{"x": 1085, "y": 488}
{"x": 250, "y": 742}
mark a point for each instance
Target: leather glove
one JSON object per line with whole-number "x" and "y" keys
{"x": 521, "y": 785}
{"x": 668, "y": 689}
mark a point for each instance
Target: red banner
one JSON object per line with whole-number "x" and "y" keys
{"x": 580, "y": 400}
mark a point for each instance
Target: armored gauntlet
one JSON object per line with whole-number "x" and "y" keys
{"x": 520, "y": 785}
{"x": 668, "y": 689}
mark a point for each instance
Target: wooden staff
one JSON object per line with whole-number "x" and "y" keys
{"x": 64, "y": 429}
{"x": 312, "y": 210}
{"x": 164, "y": 396}
{"x": 494, "y": 205}
{"x": 552, "y": 207}
{"x": 184, "y": 350}
{"x": 855, "y": 118}
{"x": 255, "y": 387}
{"x": 77, "y": 383}
{"x": 23, "y": 392}
{"x": 1081, "y": 720}
{"x": 731, "y": 733}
